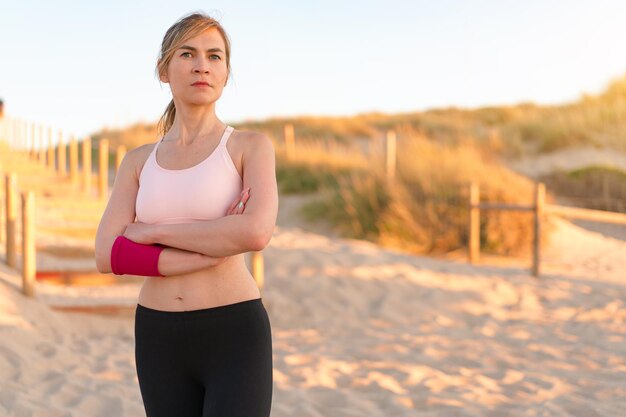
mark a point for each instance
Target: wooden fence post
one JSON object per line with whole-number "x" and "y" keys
{"x": 61, "y": 151}
{"x": 11, "y": 136}
{"x": 9, "y": 192}
{"x": 42, "y": 145}
{"x": 474, "y": 223}
{"x": 390, "y": 154}
{"x": 22, "y": 136}
{"x": 258, "y": 270}
{"x": 14, "y": 137}
{"x": 87, "y": 164}
{"x": 290, "y": 142}
{"x": 73, "y": 160}
{"x": 119, "y": 155}
{"x": 51, "y": 156}
{"x": 540, "y": 194}
{"x": 103, "y": 165}
{"x": 28, "y": 244}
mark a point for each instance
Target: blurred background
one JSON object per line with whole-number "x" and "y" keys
{"x": 452, "y": 225}
{"x": 84, "y": 66}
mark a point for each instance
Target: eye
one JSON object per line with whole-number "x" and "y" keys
{"x": 184, "y": 53}
{"x": 215, "y": 56}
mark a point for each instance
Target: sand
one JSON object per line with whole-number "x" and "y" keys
{"x": 567, "y": 159}
{"x": 359, "y": 330}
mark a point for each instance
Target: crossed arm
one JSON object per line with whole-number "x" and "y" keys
{"x": 193, "y": 246}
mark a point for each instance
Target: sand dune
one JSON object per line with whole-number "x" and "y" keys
{"x": 363, "y": 331}
{"x": 534, "y": 166}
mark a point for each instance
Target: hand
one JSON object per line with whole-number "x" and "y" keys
{"x": 238, "y": 205}
{"x": 140, "y": 232}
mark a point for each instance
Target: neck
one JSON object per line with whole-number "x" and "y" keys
{"x": 192, "y": 123}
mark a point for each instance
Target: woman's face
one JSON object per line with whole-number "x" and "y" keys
{"x": 202, "y": 58}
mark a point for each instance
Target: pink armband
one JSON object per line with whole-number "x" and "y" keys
{"x": 128, "y": 257}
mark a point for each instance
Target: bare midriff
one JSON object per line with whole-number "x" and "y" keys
{"x": 227, "y": 283}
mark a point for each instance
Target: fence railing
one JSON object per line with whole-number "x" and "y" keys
{"x": 54, "y": 154}
{"x": 539, "y": 209}
{"x": 38, "y": 143}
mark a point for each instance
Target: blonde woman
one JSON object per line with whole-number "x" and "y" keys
{"x": 203, "y": 195}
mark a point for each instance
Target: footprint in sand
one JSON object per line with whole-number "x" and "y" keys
{"x": 46, "y": 349}
{"x": 7, "y": 356}
{"x": 52, "y": 382}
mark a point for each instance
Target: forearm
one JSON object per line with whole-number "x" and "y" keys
{"x": 225, "y": 236}
{"x": 173, "y": 261}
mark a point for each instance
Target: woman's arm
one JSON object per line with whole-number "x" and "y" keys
{"x": 120, "y": 211}
{"x": 230, "y": 235}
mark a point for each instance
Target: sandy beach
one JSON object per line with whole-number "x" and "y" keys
{"x": 359, "y": 330}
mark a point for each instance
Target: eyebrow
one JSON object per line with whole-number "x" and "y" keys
{"x": 191, "y": 48}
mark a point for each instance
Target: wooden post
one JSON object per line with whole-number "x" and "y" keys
{"x": 25, "y": 137}
{"x": 28, "y": 243}
{"x": 606, "y": 194}
{"x": 391, "y": 154}
{"x": 474, "y": 223}
{"x": 258, "y": 270}
{"x": 119, "y": 156}
{"x": 13, "y": 132}
{"x": 9, "y": 192}
{"x": 61, "y": 153}
{"x": 290, "y": 142}
{"x": 51, "y": 156}
{"x": 87, "y": 164}
{"x": 540, "y": 195}
{"x": 103, "y": 165}
{"x": 73, "y": 160}
{"x": 42, "y": 146}
{"x": 42, "y": 150}
{"x": 20, "y": 136}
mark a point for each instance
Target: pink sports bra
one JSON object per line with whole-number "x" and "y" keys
{"x": 201, "y": 192}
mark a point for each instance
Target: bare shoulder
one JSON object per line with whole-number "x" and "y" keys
{"x": 136, "y": 157}
{"x": 250, "y": 140}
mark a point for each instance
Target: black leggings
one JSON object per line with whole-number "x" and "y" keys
{"x": 214, "y": 362}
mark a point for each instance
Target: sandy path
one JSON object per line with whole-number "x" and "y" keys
{"x": 360, "y": 330}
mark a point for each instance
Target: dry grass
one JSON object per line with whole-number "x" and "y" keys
{"x": 425, "y": 209}
{"x": 596, "y": 187}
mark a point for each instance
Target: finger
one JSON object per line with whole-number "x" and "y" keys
{"x": 233, "y": 205}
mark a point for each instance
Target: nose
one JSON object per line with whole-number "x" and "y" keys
{"x": 202, "y": 66}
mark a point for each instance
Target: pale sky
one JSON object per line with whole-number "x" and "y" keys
{"x": 80, "y": 65}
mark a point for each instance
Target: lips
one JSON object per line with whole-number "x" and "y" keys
{"x": 200, "y": 83}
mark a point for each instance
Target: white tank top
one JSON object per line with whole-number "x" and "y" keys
{"x": 201, "y": 192}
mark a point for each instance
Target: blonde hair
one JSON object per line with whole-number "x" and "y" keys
{"x": 185, "y": 28}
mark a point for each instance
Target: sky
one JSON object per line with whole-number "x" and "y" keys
{"x": 81, "y": 66}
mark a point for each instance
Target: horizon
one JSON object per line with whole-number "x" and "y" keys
{"x": 422, "y": 56}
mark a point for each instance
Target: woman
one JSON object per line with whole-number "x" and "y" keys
{"x": 203, "y": 195}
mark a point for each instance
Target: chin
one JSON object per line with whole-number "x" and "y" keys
{"x": 202, "y": 102}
